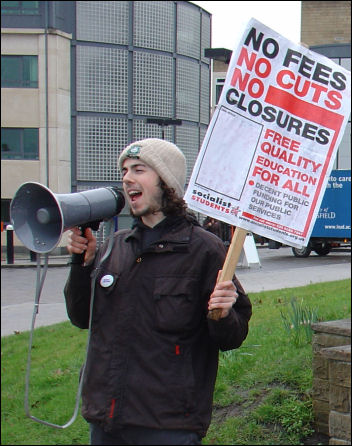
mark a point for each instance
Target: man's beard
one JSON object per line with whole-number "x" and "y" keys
{"x": 151, "y": 209}
{"x": 146, "y": 211}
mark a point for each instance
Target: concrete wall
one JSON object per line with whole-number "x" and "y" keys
{"x": 332, "y": 380}
{"x": 339, "y": 370}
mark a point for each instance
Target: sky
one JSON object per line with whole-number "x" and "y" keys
{"x": 230, "y": 18}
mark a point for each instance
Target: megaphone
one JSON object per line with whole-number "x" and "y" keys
{"x": 39, "y": 217}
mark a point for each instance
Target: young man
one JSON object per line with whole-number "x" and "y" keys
{"x": 153, "y": 352}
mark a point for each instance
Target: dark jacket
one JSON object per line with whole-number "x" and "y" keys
{"x": 153, "y": 353}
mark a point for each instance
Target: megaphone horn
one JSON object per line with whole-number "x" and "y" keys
{"x": 39, "y": 217}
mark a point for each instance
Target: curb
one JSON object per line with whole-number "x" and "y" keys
{"x": 24, "y": 263}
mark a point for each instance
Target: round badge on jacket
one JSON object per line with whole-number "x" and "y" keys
{"x": 106, "y": 281}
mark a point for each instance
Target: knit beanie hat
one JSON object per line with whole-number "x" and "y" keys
{"x": 164, "y": 157}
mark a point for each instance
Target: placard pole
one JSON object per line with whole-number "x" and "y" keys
{"x": 229, "y": 267}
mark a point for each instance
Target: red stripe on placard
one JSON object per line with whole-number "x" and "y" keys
{"x": 312, "y": 113}
{"x": 303, "y": 109}
{"x": 271, "y": 223}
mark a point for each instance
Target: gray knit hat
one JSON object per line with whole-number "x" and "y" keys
{"x": 162, "y": 156}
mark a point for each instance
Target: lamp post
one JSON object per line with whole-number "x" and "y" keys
{"x": 163, "y": 122}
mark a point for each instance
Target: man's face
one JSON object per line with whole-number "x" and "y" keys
{"x": 142, "y": 188}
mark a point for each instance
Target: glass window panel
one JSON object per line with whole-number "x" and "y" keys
{"x": 142, "y": 130}
{"x": 10, "y": 7}
{"x": 154, "y": 25}
{"x": 19, "y": 71}
{"x": 28, "y": 8}
{"x": 30, "y": 5}
{"x": 25, "y": 7}
{"x": 187, "y": 139}
{"x": 99, "y": 143}
{"x": 218, "y": 92}
{"x": 19, "y": 144}
{"x": 102, "y": 79}
{"x": 10, "y": 4}
{"x": 30, "y": 71}
{"x": 202, "y": 133}
{"x": 204, "y": 94}
{"x": 30, "y": 144}
{"x": 102, "y": 21}
{"x": 11, "y": 144}
{"x": 187, "y": 90}
{"x": 188, "y": 30}
{"x": 206, "y": 36}
{"x": 10, "y": 71}
{"x": 152, "y": 84}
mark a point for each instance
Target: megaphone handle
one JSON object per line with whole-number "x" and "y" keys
{"x": 78, "y": 259}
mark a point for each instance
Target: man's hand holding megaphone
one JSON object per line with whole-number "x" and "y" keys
{"x": 79, "y": 243}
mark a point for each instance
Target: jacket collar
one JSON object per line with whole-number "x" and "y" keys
{"x": 177, "y": 230}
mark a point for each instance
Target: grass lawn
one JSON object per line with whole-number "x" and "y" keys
{"x": 263, "y": 389}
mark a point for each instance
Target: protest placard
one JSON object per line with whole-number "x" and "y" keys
{"x": 271, "y": 143}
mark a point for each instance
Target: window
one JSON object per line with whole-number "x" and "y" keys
{"x": 19, "y": 71}
{"x": 218, "y": 89}
{"x": 19, "y": 144}
{"x": 20, "y": 8}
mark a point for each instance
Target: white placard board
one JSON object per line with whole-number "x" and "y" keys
{"x": 269, "y": 149}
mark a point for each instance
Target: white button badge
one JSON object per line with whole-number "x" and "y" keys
{"x": 106, "y": 281}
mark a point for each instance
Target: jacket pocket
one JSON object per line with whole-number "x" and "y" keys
{"x": 175, "y": 302}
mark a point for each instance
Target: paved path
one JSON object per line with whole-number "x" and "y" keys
{"x": 279, "y": 269}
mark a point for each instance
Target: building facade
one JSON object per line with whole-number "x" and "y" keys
{"x": 90, "y": 75}
{"x": 35, "y": 101}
